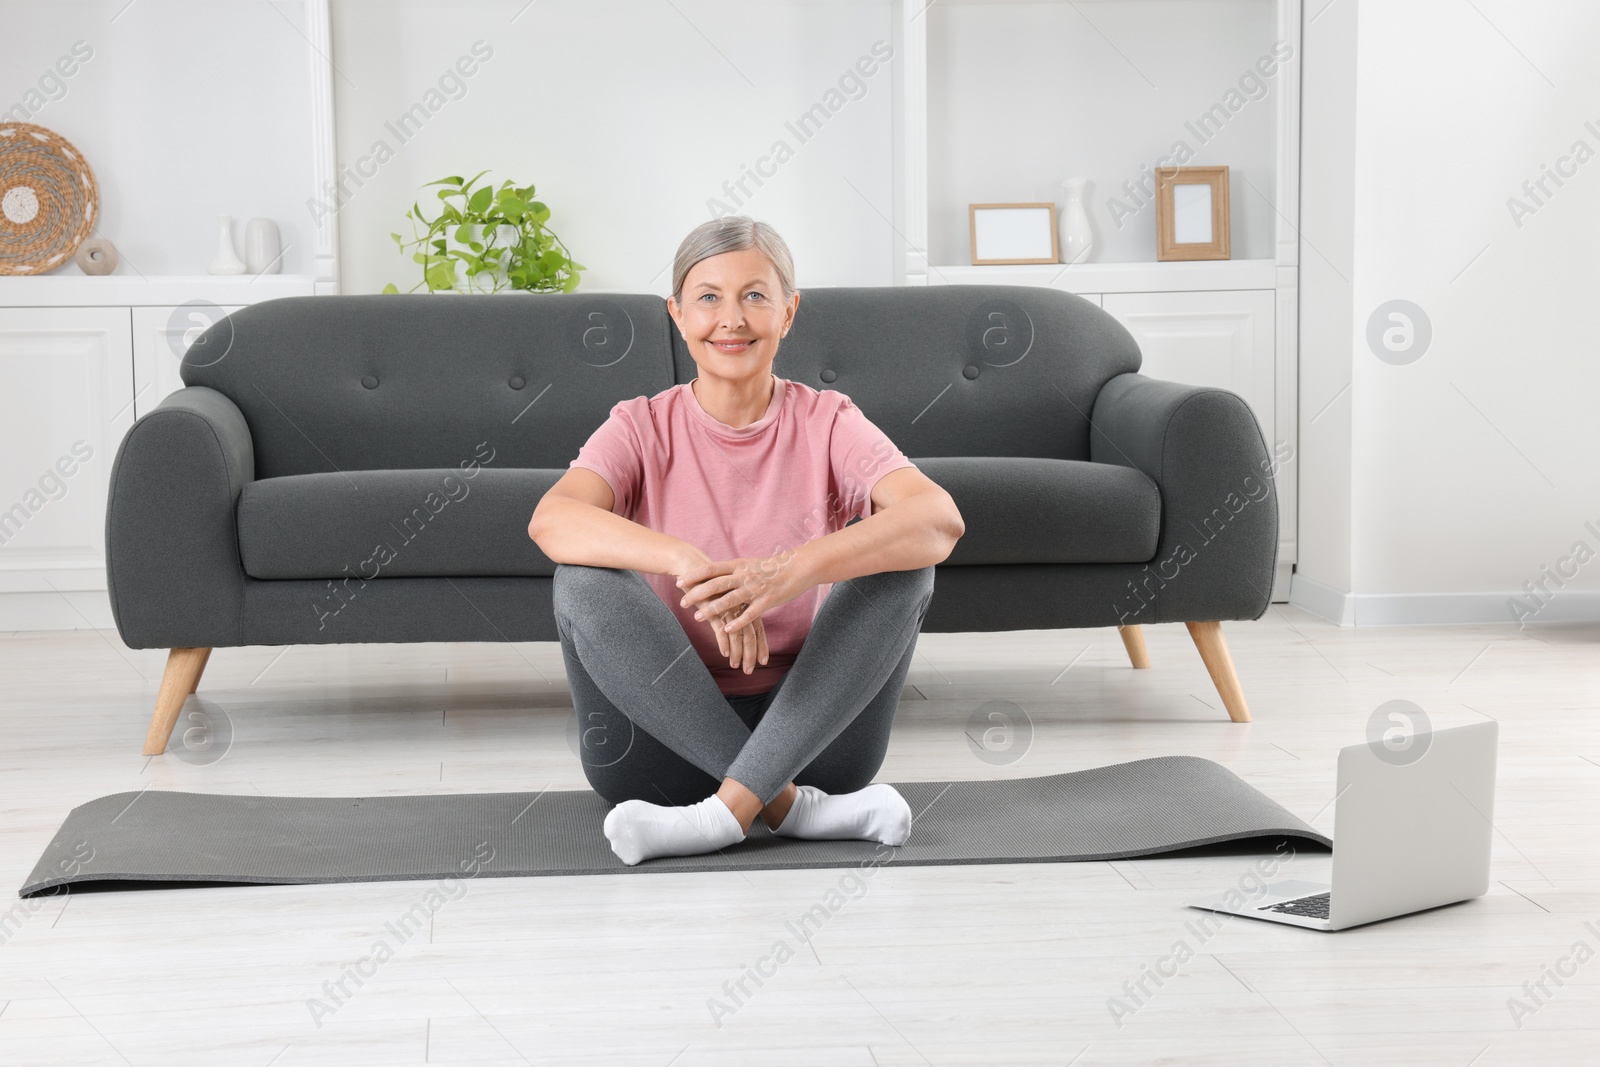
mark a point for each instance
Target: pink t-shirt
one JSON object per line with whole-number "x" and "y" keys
{"x": 800, "y": 472}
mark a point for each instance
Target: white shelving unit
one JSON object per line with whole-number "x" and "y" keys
{"x": 1230, "y": 323}
{"x": 81, "y": 358}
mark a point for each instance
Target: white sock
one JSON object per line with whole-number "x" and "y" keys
{"x": 876, "y": 813}
{"x": 639, "y": 830}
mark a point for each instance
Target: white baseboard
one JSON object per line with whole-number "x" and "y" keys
{"x": 1281, "y": 579}
{"x": 1321, "y": 600}
{"x": 1414, "y": 609}
{"x": 1403, "y": 609}
{"x": 69, "y": 609}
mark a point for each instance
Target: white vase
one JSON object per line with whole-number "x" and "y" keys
{"x": 262, "y": 247}
{"x": 226, "y": 261}
{"x": 1077, "y": 240}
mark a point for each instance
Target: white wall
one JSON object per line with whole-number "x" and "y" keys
{"x": 1327, "y": 226}
{"x": 1472, "y": 467}
{"x": 151, "y": 101}
{"x": 628, "y": 116}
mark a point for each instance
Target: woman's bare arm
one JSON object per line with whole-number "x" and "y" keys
{"x": 573, "y": 523}
{"x": 914, "y": 524}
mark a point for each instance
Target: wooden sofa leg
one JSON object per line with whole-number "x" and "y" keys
{"x": 1133, "y": 641}
{"x": 182, "y": 677}
{"x": 1214, "y": 651}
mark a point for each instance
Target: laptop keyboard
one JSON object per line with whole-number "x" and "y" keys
{"x": 1313, "y": 907}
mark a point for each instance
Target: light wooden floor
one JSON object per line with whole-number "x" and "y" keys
{"x": 932, "y": 965}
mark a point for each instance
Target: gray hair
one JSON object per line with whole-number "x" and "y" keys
{"x": 732, "y": 233}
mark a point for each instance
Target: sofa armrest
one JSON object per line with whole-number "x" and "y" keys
{"x": 1203, "y": 448}
{"x": 172, "y": 543}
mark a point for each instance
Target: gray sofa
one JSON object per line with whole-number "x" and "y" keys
{"x": 363, "y": 468}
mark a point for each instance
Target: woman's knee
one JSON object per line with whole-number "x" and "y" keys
{"x": 575, "y": 585}
{"x": 576, "y": 578}
{"x": 913, "y": 584}
{"x": 910, "y": 591}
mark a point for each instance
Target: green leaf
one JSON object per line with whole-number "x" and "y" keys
{"x": 480, "y": 200}
{"x": 452, "y": 180}
{"x": 441, "y": 276}
{"x": 390, "y": 288}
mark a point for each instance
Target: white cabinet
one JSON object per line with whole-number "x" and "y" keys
{"x": 1223, "y": 339}
{"x": 81, "y": 358}
{"x": 67, "y": 375}
{"x": 1226, "y": 338}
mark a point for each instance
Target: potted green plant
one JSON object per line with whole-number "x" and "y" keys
{"x": 485, "y": 240}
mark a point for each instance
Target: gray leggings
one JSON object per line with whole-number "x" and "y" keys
{"x": 654, "y": 726}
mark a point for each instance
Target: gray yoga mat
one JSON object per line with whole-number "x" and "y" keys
{"x": 1140, "y": 808}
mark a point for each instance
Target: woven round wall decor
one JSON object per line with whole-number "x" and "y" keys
{"x": 48, "y": 199}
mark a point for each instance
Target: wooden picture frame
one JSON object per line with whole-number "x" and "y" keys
{"x": 1192, "y": 213}
{"x": 1013, "y": 233}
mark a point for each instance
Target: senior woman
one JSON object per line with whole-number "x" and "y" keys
{"x": 733, "y": 648}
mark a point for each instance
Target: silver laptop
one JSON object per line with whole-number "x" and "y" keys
{"x": 1411, "y": 832}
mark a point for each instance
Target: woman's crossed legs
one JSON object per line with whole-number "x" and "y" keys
{"x": 824, "y": 727}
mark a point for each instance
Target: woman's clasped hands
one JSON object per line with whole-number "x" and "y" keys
{"x": 732, "y": 595}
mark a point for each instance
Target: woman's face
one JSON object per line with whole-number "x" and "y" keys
{"x": 733, "y": 314}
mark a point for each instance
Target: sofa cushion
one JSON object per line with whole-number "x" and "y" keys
{"x": 957, "y": 370}
{"x": 414, "y": 381}
{"x": 1048, "y": 510}
{"x": 394, "y": 523}
{"x": 445, "y": 523}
